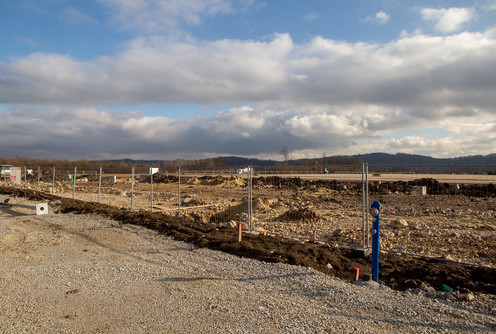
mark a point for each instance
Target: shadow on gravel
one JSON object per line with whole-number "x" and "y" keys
{"x": 398, "y": 271}
{"x": 189, "y": 279}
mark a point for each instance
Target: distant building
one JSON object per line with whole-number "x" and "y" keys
{"x": 5, "y": 171}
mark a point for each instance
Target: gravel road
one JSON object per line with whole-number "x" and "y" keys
{"x": 69, "y": 273}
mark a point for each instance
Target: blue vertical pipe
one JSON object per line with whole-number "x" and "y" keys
{"x": 375, "y": 210}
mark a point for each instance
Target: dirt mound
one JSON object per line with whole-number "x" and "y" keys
{"x": 159, "y": 178}
{"x": 260, "y": 204}
{"x": 235, "y": 211}
{"x": 434, "y": 187}
{"x": 299, "y": 214}
{"x": 164, "y": 178}
{"x": 396, "y": 270}
{"x": 47, "y": 175}
{"x": 211, "y": 180}
{"x": 233, "y": 182}
{"x": 298, "y": 183}
{"x": 192, "y": 201}
{"x": 193, "y": 181}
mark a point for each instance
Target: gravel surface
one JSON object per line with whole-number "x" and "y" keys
{"x": 71, "y": 273}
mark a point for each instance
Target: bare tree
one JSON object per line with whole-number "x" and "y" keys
{"x": 285, "y": 154}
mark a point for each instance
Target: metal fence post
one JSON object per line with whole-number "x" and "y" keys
{"x": 179, "y": 191}
{"x": 38, "y": 183}
{"x": 250, "y": 197}
{"x": 132, "y": 188}
{"x": 151, "y": 189}
{"x": 364, "y": 208}
{"x": 25, "y": 176}
{"x": 99, "y": 184}
{"x": 367, "y": 202}
{"x": 53, "y": 179}
{"x": 74, "y": 184}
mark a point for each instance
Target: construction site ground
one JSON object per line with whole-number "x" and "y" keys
{"x": 454, "y": 233}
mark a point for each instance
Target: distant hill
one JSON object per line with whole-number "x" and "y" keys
{"x": 385, "y": 162}
{"x": 413, "y": 159}
{"x": 233, "y": 161}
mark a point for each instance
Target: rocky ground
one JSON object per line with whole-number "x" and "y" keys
{"x": 452, "y": 226}
{"x": 455, "y": 226}
{"x": 84, "y": 273}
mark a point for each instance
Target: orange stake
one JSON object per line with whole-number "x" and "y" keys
{"x": 239, "y": 231}
{"x": 357, "y": 273}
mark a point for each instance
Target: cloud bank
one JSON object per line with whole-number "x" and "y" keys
{"x": 321, "y": 95}
{"x": 448, "y": 20}
{"x": 420, "y": 72}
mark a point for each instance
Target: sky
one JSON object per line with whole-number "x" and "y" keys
{"x": 167, "y": 79}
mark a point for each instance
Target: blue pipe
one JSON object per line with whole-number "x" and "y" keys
{"x": 375, "y": 210}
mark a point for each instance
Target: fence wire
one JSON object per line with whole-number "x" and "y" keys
{"x": 451, "y": 216}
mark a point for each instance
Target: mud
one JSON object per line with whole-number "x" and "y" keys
{"x": 398, "y": 271}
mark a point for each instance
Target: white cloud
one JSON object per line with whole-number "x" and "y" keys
{"x": 448, "y": 20}
{"x": 28, "y": 41}
{"x": 76, "y": 16}
{"x": 489, "y": 5}
{"x": 420, "y": 72}
{"x": 381, "y": 17}
{"x": 312, "y": 16}
{"x": 243, "y": 131}
{"x": 319, "y": 96}
{"x": 90, "y": 133}
{"x": 161, "y": 15}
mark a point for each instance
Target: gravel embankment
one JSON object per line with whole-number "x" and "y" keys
{"x": 69, "y": 273}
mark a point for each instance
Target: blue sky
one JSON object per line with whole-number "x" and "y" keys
{"x": 165, "y": 79}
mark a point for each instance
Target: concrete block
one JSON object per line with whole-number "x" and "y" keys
{"x": 422, "y": 190}
{"x": 454, "y": 186}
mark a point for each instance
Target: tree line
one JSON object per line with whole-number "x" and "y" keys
{"x": 124, "y": 164}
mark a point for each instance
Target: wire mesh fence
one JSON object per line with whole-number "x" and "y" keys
{"x": 451, "y": 216}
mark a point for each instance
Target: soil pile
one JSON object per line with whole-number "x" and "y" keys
{"x": 233, "y": 182}
{"x": 258, "y": 204}
{"x": 211, "y": 181}
{"x": 299, "y": 214}
{"x": 193, "y": 181}
{"x": 433, "y": 187}
{"x": 192, "y": 201}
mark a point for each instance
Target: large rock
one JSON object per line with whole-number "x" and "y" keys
{"x": 398, "y": 223}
